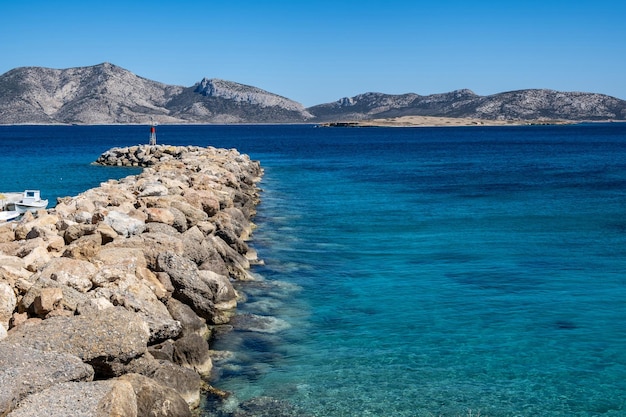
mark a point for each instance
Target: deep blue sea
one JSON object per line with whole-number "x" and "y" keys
{"x": 409, "y": 271}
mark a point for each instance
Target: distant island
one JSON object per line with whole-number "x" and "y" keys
{"x": 434, "y": 121}
{"x": 108, "y": 94}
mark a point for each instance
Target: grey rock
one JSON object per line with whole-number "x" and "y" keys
{"x": 189, "y": 287}
{"x": 8, "y": 303}
{"x": 25, "y": 371}
{"x": 156, "y": 400}
{"x": 166, "y": 229}
{"x": 114, "y": 398}
{"x": 225, "y": 296}
{"x": 189, "y": 320}
{"x": 137, "y": 297}
{"x": 153, "y": 189}
{"x": 74, "y": 273}
{"x": 70, "y": 300}
{"x": 124, "y": 224}
{"x": 192, "y": 351}
{"x": 164, "y": 350}
{"x": 151, "y": 244}
{"x": 185, "y": 381}
{"x": 115, "y": 335}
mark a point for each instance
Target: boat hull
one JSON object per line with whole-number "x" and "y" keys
{"x": 31, "y": 206}
{"x": 8, "y": 215}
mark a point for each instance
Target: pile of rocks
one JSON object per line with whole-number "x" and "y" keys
{"x": 106, "y": 301}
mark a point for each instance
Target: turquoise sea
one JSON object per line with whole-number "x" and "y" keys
{"x": 409, "y": 271}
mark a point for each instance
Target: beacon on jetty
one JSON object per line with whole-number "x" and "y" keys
{"x": 153, "y": 134}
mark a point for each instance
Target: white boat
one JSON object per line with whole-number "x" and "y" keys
{"x": 30, "y": 201}
{"x": 8, "y": 199}
{"x": 8, "y": 215}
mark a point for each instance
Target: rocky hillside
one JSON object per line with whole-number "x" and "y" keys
{"x": 514, "y": 105}
{"x": 107, "y": 94}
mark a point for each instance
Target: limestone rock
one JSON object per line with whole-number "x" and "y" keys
{"x": 97, "y": 339}
{"x": 185, "y": 381}
{"x": 189, "y": 287}
{"x": 47, "y": 301}
{"x": 8, "y": 303}
{"x": 75, "y": 273}
{"x": 135, "y": 296}
{"x": 156, "y": 400}
{"x": 152, "y": 189}
{"x": 160, "y": 215}
{"x": 151, "y": 244}
{"x": 70, "y": 299}
{"x": 192, "y": 351}
{"x": 76, "y": 231}
{"x": 114, "y": 398}
{"x": 189, "y": 320}
{"x": 225, "y": 296}
{"x": 123, "y": 224}
{"x": 25, "y": 371}
{"x": 7, "y": 234}
{"x": 86, "y": 247}
{"x": 36, "y": 258}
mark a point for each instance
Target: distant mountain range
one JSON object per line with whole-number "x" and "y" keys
{"x": 108, "y": 94}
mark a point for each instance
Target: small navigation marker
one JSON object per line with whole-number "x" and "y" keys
{"x": 153, "y": 134}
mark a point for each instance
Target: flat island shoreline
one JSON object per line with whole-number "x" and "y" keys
{"x": 108, "y": 301}
{"x": 433, "y": 121}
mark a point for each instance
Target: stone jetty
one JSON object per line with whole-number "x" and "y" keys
{"x": 107, "y": 301}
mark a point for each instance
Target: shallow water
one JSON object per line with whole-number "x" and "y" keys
{"x": 415, "y": 272}
{"x": 443, "y": 272}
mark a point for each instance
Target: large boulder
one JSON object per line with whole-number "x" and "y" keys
{"x": 192, "y": 351}
{"x": 25, "y": 371}
{"x": 189, "y": 320}
{"x": 112, "y": 398}
{"x": 135, "y": 296}
{"x": 151, "y": 244}
{"x": 8, "y": 303}
{"x": 192, "y": 214}
{"x": 70, "y": 298}
{"x": 185, "y": 382}
{"x": 125, "y": 279}
{"x": 225, "y": 296}
{"x": 111, "y": 336}
{"x": 190, "y": 288}
{"x": 156, "y": 400}
{"x": 124, "y": 224}
{"x": 86, "y": 247}
{"x": 12, "y": 269}
{"x": 74, "y": 273}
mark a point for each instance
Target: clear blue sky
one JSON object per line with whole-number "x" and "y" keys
{"x": 320, "y": 51}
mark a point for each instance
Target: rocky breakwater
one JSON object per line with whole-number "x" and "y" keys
{"x": 107, "y": 300}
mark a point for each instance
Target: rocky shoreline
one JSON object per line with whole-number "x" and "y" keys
{"x": 107, "y": 301}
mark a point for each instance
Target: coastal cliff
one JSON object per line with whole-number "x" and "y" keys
{"x": 107, "y": 301}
